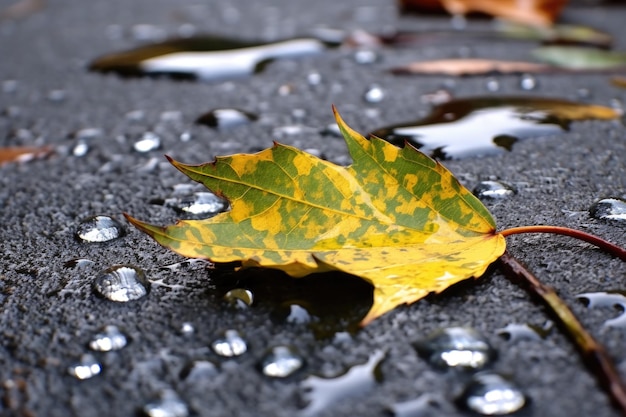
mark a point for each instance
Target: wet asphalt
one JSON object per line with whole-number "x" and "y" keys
{"x": 48, "y": 309}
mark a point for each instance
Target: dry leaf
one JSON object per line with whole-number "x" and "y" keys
{"x": 470, "y": 66}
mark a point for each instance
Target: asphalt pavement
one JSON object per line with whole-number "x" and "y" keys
{"x": 49, "y": 311}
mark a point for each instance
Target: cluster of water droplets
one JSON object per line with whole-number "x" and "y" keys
{"x": 486, "y": 392}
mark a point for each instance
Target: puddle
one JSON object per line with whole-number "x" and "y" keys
{"x": 607, "y": 299}
{"x": 326, "y": 303}
{"x": 489, "y": 125}
{"x": 322, "y": 393}
{"x": 204, "y": 58}
{"x": 613, "y": 209}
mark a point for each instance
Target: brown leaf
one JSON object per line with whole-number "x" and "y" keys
{"x": 23, "y": 153}
{"x": 470, "y": 66}
{"x": 535, "y": 12}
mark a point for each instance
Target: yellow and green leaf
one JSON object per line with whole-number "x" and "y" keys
{"x": 395, "y": 218}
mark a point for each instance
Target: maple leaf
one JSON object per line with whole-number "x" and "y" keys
{"x": 395, "y": 218}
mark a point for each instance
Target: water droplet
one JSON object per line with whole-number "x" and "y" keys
{"x": 149, "y": 141}
{"x": 322, "y": 393}
{"x": 191, "y": 264}
{"x": 57, "y": 95}
{"x": 332, "y": 129}
{"x": 86, "y": 368}
{"x": 201, "y": 204}
{"x": 527, "y": 82}
{"x": 514, "y": 332}
{"x": 281, "y": 362}
{"x": 199, "y": 371}
{"x": 168, "y": 405}
{"x": 493, "y": 190}
{"x": 607, "y": 299}
{"x": 239, "y": 297}
{"x": 366, "y": 56}
{"x": 78, "y": 263}
{"x": 122, "y": 283}
{"x": 9, "y": 86}
{"x": 187, "y": 329}
{"x": 99, "y": 229}
{"x": 226, "y": 118}
{"x": 108, "y": 339}
{"x": 298, "y": 315}
{"x": 494, "y": 124}
{"x": 437, "y": 97}
{"x": 232, "y": 344}
{"x": 185, "y": 137}
{"x": 135, "y": 115}
{"x": 492, "y": 84}
{"x": 80, "y": 149}
{"x": 609, "y": 209}
{"x": 456, "y": 347}
{"x": 145, "y": 32}
{"x": 374, "y": 94}
{"x": 490, "y": 394}
{"x": 204, "y": 58}
{"x": 171, "y": 116}
{"x": 88, "y": 133}
{"x": 314, "y": 78}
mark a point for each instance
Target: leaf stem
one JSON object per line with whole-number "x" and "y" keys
{"x": 594, "y": 355}
{"x": 609, "y": 247}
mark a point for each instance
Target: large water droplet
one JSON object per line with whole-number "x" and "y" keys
{"x": 232, "y": 344}
{"x": 226, "y": 118}
{"x": 108, "y": 339}
{"x": 99, "y": 229}
{"x": 609, "y": 209}
{"x": 322, "y": 393}
{"x": 168, "y": 405}
{"x": 122, "y": 283}
{"x": 493, "y": 190}
{"x": 607, "y": 299}
{"x": 149, "y": 141}
{"x": 86, "y": 368}
{"x": 456, "y": 347}
{"x": 239, "y": 297}
{"x": 201, "y": 204}
{"x": 281, "y": 362}
{"x": 204, "y": 58}
{"x": 488, "y": 125}
{"x": 490, "y": 394}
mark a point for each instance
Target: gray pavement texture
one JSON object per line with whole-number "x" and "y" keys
{"x": 48, "y": 312}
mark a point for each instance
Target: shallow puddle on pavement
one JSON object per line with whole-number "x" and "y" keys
{"x": 479, "y": 126}
{"x": 204, "y": 58}
{"x": 322, "y": 393}
{"x": 614, "y": 299}
{"x": 326, "y": 303}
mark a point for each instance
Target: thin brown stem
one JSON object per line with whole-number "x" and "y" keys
{"x": 594, "y": 355}
{"x": 605, "y": 245}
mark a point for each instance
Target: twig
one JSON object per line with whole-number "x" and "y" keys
{"x": 594, "y": 355}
